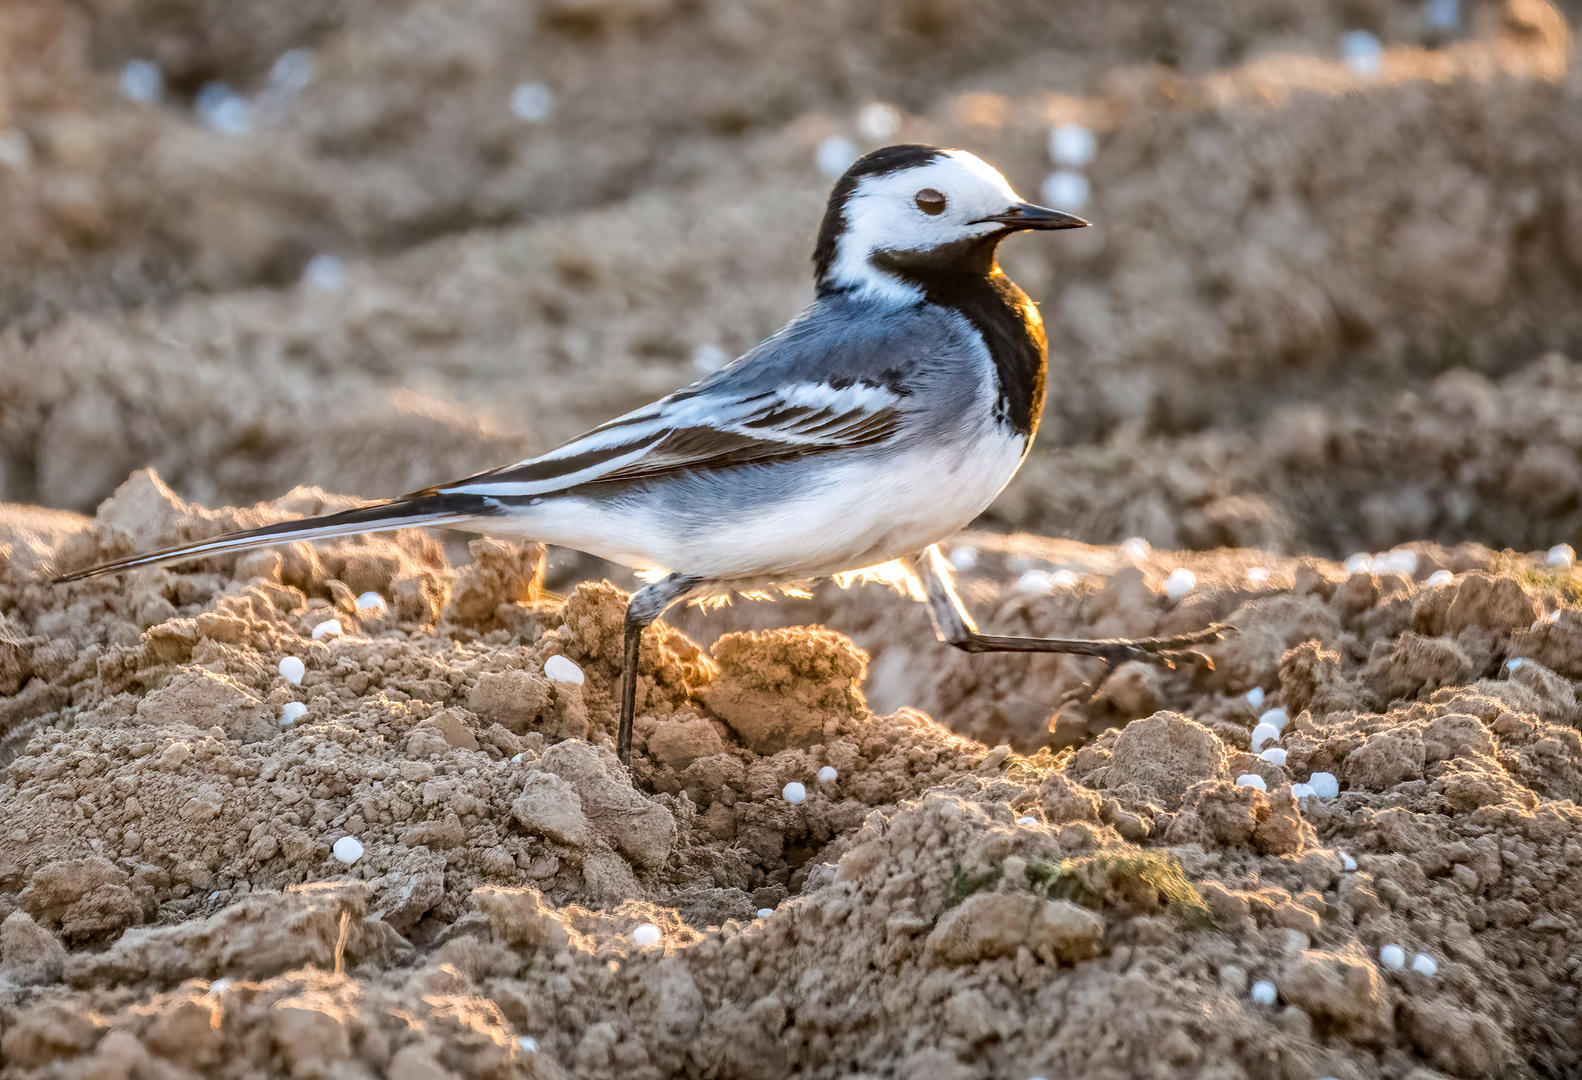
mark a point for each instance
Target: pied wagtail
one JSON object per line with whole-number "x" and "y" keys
{"x": 880, "y": 420}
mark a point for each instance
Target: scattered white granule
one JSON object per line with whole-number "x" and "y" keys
{"x": 1302, "y": 791}
{"x": 532, "y": 101}
{"x": 560, "y": 669}
{"x": 1136, "y": 548}
{"x": 1398, "y": 561}
{"x": 1393, "y": 957}
{"x": 1512, "y": 665}
{"x": 1252, "y": 780}
{"x": 528, "y": 1044}
{"x": 1324, "y": 785}
{"x": 1276, "y": 718}
{"x": 765, "y": 912}
{"x": 324, "y": 272}
{"x": 219, "y": 986}
{"x": 709, "y": 358}
{"x": 1274, "y": 755}
{"x": 1424, "y": 964}
{"x": 332, "y": 628}
{"x": 1363, "y": 52}
{"x": 348, "y": 849}
{"x": 878, "y": 122}
{"x": 1263, "y": 735}
{"x": 964, "y": 557}
{"x": 1066, "y": 188}
{"x": 645, "y": 935}
{"x": 223, "y": 109}
{"x": 292, "y": 670}
{"x": 1027, "y": 819}
{"x": 794, "y": 792}
{"x": 291, "y": 712}
{"x": 1442, "y": 14}
{"x": 1257, "y": 575}
{"x": 1180, "y": 582}
{"x": 371, "y": 601}
{"x": 1439, "y": 577}
{"x": 835, "y": 155}
{"x": 1034, "y": 583}
{"x": 1263, "y": 993}
{"x": 827, "y": 773}
{"x": 1072, "y": 145}
{"x": 1347, "y": 861}
{"x": 1360, "y": 563}
{"x": 1255, "y": 697}
{"x": 1063, "y": 579}
{"x": 1561, "y": 555}
{"x": 141, "y": 80}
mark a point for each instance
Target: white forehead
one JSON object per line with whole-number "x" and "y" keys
{"x": 971, "y": 186}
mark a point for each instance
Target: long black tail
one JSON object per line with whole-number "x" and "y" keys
{"x": 413, "y": 511}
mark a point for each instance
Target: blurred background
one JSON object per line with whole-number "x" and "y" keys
{"x": 1333, "y": 301}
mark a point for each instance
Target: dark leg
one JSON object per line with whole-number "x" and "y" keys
{"x": 646, "y": 605}
{"x": 955, "y": 626}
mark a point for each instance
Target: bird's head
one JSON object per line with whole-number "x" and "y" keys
{"x": 904, "y": 214}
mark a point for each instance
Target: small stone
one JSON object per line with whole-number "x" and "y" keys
{"x": 1424, "y": 964}
{"x": 1324, "y": 785}
{"x": 645, "y": 935}
{"x": 1027, "y": 819}
{"x": 1561, "y": 555}
{"x": 1438, "y": 578}
{"x": 1136, "y": 548}
{"x": 827, "y": 774}
{"x": 1063, "y": 579}
{"x": 1276, "y": 718}
{"x": 1302, "y": 791}
{"x": 560, "y": 669}
{"x": 330, "y": 628}
{"x": 1034, "y": 583}
{"x": 1180, "y": 583}
{"x": 1255, "y": 698}
{"x": 794, "y": 792}
{"x": 291, "y": 712}
{"x": 1252, "y": 780}
{"x": 348, "y": 849}
{"x": 1263, "y": 993}
{"x": 765, "y": 912}
{"x": 527, "y": 1044}
{"x": 1262, "y": 736}
{"x": 964, "y": 558}
{"x": 292, "y": 669}
{"x": 1274, "y": 755}
{"x": 1393, "y": 957}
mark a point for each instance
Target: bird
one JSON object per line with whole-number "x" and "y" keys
{"x": 882, "y": 418}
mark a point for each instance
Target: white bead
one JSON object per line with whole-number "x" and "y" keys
{"x": 1255, "y": 697}
{"x": 1263, "y": 735}
{"x": 1257, "y": 575}
{"x": 1399, "y": 561}
{"x": 1424, "y": 964}
{"x": 1274, "y": 755}
{"x": 1027, "y": 819}
{"x": 1393, "y": 957}
{"x": 878, "y": 122}
{"x": 827, "y": 773}
{"x": 1180, "y": 582}
{"x": 1363, "y": 52}
{"x": 1063, "y": 579}
{"x": 371, "y": 601}
{"x": 1252, "y": 780}
{"x": 348, "y": 849}
{"x": 1324, "y": 785}
{"x": 141, "y": 80}
{"x": 1360, "y": 563}
{"x": 835, "y": 155}
{"x": 533, "y": 102}
{"x": 1065, "y": 188}
{"x": 1438, "y": 578}
{"x": 1263, "y": 993}
{"x": 1072, "y": 145}
{"x": 331, "y": 628}
{"x": 1276, "y": 718}
{"x": 292, "y": 670}
{"x": 1136, "y": 548}
{"x": 645, "y": 935}
{"x": 528, "y": 1044}
{"x": 964, "y": 557}
{"x": 1034, "y": 583}
{"x": 1561, "y": 555}
{"x": 794, "y": 792}
{"x": 765, "y": 912}
{"x": 560, "y": 669}
{"x": 291, "y": 712}
{"x": 1301, "y": 791}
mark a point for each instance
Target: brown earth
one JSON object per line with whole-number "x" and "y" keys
{"x": 1321, "y": 313}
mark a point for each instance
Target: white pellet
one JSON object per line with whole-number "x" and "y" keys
{"x": 1438, "y": 578}
{"x": 1301, "y": 791}
{"x": 516, "y": 758}
{"x": 1263, "y": 735}
{"x": 324, "y": 272}
{"x": 1252, "y": 780}
{"x": 527, "y": 1044}
{"x": 835, "y": 155}
{"x": 878, "y": 122}
{"x": 1398, "y": 561}
{"x": 329, "y": 628}
{"x": 348, "y": 849}
{"x": 291, "y": 712}
{"x": 709, "y": 358}
{"x": 223, "y": 109}
{"x": 1263, "y": 993}
{"x": 1064, "y": 188}
{"x": 533, "y": 102}
{"x": 964, "y": 558}
{"x": 1255, "y": 697}
{"x": 560, "y": 669}
{"x": 645, "y": 935}
{"x": 1258, "y": 575}
{"x": 1072, "y": 146}
{"x": 765, "y": 912}
{"x": 794, "y": 792}
{"x": 1034, "y": 583}
{"x": 1136, "y": 548}
{"x": 1027, "y": 819}
{"x": 1180, "y": 582}
{"x": 1512, "y": 665}
{"x": 1324, "y": 784}
{"x": 219, "y": 986}
{"x": 1561, "y": 555}
{"x": 371, "y": 601}
{"x": 141, "y": 80}
{"x": 1063, "y": 579}
{"x": 1424, "y": 964}
{"x": 827, "y": 773}
{"x": 1276, "y": 718}
{"x": 1393, "y": 957}
{"x": 1442, "y": 14}
{"x": 1347, "y": 862}
{"x": 292, "y": 670}
{"x": 291, "y": 71}
{"x": 1274, "y": 755}
{"x": 1363, "y": 52}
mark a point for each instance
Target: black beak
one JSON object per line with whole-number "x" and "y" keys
{"x": 1028, "y": 216}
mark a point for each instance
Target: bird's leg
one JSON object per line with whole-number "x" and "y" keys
{"x": 955, "y": 626}
{"x": 646, "y": 605}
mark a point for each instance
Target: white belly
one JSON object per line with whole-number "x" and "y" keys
{"x": 846, "y": 516}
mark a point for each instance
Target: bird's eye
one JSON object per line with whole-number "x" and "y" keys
{"x": 930, "y": 202}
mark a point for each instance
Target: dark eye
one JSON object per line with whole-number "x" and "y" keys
{"x": 930, "y": 202}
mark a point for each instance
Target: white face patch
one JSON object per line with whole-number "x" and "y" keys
{"x": 883, "y": 215}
